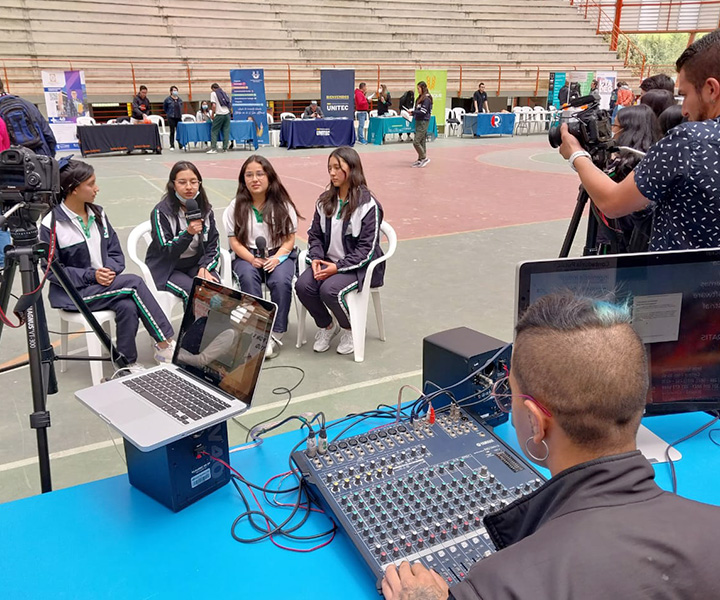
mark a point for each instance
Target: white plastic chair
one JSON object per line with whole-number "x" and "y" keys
{"x": 186, "y": 118}
{"x": 82, "y": 121}
{"x": 106, "y": 318}
{"x": 112, "y": 122}
{"x": 373, "y": 113}
{"x": 521, "y": 120}
{"x": 357, "y": 302}
{"x": 392, "y": 113}
{"x": 287, "y": 116}
{"x": 452, "y": 123}
{"x": 159, "y": 121}
{"x": 273, "y": 133}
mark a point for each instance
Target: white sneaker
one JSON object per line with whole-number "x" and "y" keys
{"x": 417, "y": 163}
{"x": 324, "y": 337}
{"x": 273, "y": 347}
{"x": 163, "y": 356}
{"x": 211, "y": 151}
{"x": 346, "y": 343}
{"x": 424, "y": 162}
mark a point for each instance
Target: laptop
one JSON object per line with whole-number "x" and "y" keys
{"x": 219, "y": 352}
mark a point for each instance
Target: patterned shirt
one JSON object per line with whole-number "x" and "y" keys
{"x": 681, "y": 173}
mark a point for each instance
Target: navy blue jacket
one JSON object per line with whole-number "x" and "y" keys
{"x": 170, "y": 239}
{"x": 423, "y": 109}
{"x": 360, "y": 239}
{"x": 173, "y": 108}
{"x": 71, "y": 250}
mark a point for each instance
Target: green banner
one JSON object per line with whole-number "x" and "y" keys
{"x": 436, "y": 80}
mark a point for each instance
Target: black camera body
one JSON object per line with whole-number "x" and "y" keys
{"x": 28, "y": 177}
{"x": 592, "y": 127}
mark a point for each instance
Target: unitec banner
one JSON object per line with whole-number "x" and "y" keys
{"x": 337, "y": 88}
{"x": 248, "y": 100}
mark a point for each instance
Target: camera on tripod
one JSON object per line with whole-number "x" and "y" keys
{"x": 592, "y": 126}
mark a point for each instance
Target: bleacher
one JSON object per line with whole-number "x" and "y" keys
{"x": 510, "y": 45}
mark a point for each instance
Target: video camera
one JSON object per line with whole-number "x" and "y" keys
{"x": 592, "y": 127}
{"x": 29, "y": 180}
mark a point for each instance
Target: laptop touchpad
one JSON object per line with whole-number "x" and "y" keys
{"x": 120, "y": 412}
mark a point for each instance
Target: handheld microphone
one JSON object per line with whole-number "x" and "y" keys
{"x": 192, "y": 210}
{"x": 261, "y": 245}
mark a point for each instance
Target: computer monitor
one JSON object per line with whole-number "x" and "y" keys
{"x": 675, "y": 301}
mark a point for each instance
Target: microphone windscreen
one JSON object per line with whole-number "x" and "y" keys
{"x": 192, "y": 210}
{"x": 261, "y": 245}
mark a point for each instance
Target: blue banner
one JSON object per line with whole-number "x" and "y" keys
{"x": 65, "y": 100}
{"x": 248, "y": 100}
{"x": 338, "y": 93}
{"x": 557, "y": 80}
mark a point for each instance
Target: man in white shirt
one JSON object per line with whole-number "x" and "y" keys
{"x": 220, "y": 106}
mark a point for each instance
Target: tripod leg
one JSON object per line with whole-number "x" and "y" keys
{"x": 574, "y": 222}
{"x": 591, "y": 246}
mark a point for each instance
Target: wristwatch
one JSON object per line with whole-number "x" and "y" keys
{"x": 575, "y": 155}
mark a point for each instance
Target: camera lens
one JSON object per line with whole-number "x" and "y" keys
{"x": 554, "y": 136}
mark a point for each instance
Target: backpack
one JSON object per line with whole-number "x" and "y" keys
{"x": 223, "y": 97}
{"x": 21, "y": 126}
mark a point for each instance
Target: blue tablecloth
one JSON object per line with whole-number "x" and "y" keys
{"x": 488, "y": 124}
{"x": 307, "y": 133}
{"x": 381, "y": 126}
{"x": 240, "y": 131}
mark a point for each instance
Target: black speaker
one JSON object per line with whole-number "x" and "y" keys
{"x": 450, "y": 356}
{"x": 178, "y": 474}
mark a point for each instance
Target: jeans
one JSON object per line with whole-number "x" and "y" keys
{"x": 362, "y": 117}
{"x": 421, "y": 127}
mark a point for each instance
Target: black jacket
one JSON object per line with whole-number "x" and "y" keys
{"x": 602, "y": 530}
{"x": 140, "y": 107}
{"x": 361, "y": 240}
{"x": 170, "y": 239}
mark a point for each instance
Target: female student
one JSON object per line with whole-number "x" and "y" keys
{"x": 260, "y": 223}
{"x": 422, "y": 113}
{"x": 342, "y": 240}
{"x": 185, "y": 241}
{"x": 88, "y": 247}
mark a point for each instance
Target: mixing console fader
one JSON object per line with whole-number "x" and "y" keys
{"x": 419, "y": 492}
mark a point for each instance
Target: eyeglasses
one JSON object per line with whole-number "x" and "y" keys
{"x": 183, "y": 182}
{"x": 259, "y": 175}
{"x": 502, "y": 394}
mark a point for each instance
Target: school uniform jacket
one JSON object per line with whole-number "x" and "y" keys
{"x": 360, "y": 240}
{"x": 170, "y": 239}
{"x": 71, "y": 250}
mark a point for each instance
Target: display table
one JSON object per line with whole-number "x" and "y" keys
{"x": 488, "y": 124}
{"x": 241, "y": 132}
{"x": 310, "y": 133}
{"x": 101, "y": 139}
{"x": 381, "y": 126}
{"x": 108, "y": 540}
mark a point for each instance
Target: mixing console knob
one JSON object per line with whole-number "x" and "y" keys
{"x": 357, "y": 478}
{"x": 395, "y": 511}
{"x": 466, "y": 525}
{"x": 423, "y": 449}
{"x": 454, "y": 530}
{"x": 351, "y": 470}
{"x": 377, "y": 528}
{"x": 403, "y": 538}
{"x": 383, "y": 535}
{"x": 420, "y": 542}
{"x": 503, "y": 492}
{"x": 472, "y": 502}
{"x": 378, "y": 548}
{"x": 346, "y": 482}
{"x": 483, "y": 471}
{"x": 372, "y": 464}
{"x": 368, "y": 476}
{"x": 445, "y": 503}
{"x": 450, "y": 510}
{"x": 413, "y": 534}
{"x": 403, "y": 455}
{"x": 431, "y": 471}
{"x": 451, "y": 465}
{"x": 477, "y": 521}
{"x": 461, "y": 462}
{"x": 365, "y": 511}
{"x": 491, "y": 478}
{"x": 370, "y": 538}
{"x": 441, "y": 469}
{"x": 443, "y": 534}
{"x": 425, "y": 531}
{"x": 389, "y": 469}
{"x": 396, "y": 551}
{"x": 383, "y": 516}
{"x": 431, "y": 538}
{"x": 413, "y": 451}
{"x": 353, "y": 515}
{"x": 418, "y": 502}
{"x": 383, "y": 460}
{"x": 443, "y": 485}
{"x": 394, "y": 529}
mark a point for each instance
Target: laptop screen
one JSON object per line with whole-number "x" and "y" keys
{"x": 675, "y": 300}
{"x": 223, "y": 338}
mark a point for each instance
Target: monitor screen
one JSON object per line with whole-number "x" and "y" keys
{"x": 675, "y": 302}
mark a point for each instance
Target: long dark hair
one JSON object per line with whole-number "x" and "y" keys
{"x": 640, "y": 130}
{"x": 424, "y": 92}
{"x": 671, "y": 117}
{"x": 202, "y": 199}
{"x": 356, "y": 179}
{"x": 275, "y": 210}
{"x": 72, "y": 175}
{"x": 658, "y": 100}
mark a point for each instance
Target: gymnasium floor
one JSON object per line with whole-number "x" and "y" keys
{"x": 463, "y": 223}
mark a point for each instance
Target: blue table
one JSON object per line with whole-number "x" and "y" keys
{"x": 312, "y": 133}
{"x": 381, "y": 126}
{"x": 240, "y": 131}
{"x": 108, "y": 540}
{"x": 488, "y": 124}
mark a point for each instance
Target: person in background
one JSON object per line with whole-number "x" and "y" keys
{"x": 564, "y": 94}
{"x": 141, "y": 108}
{"x": 343, "y": 238}
{"x": 625, "y": 97}
{"x": 221, "y": 109}
{"x": 173, "y": 107}
{"x": 362, "y": 106}
{"x": 4, "y": 136}
{"x": 658, "y": 100}
{"x": 600, "y": 527}
{"x": 595, "y": 90}
{"x": 384, "y": 101}
{"x": 657, "y": 82}
{"x": 312, "y": 111}
{"x": 422, "y": 113}
{"x": 480, "y": 103}
{"x": 25, "y": 124}
{"x": 90, "y": 251}
{"x": 4, "y": 235}
{"x": 204, "y": 115}
{"x": 613, "y": 99}
{"x": 262, "y": 208}
{"x": 671, "y": 117}
{"x": 182, "y": 247}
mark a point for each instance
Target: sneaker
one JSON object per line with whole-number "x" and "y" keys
{"x": 163, "y": 356}
{"x": 417, "y": 163}
{"x": 364, "y": 142}
{"x": 172, "y": 148}
{"x": 211, "y": 151}
{"x": 324, "y": 337}
{"x": 424, "y": 162}
{"x": 346, "y": 343}
{"x": 273, "y": 347}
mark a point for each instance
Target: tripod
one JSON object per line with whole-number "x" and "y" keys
{"x": 26, "y": 254}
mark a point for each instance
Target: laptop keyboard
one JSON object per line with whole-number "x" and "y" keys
{"x": 176, "y": 396}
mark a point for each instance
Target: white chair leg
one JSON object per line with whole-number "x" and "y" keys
{"x": 301, "y": 312}
{"x": 377, "y": 305}
{"x": 358, "y": 323}
{"x": 63, "y": 343}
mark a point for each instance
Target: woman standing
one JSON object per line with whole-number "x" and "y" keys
{"x": 185, "y": 241}
{"x": 260, "y": 223}
{"x": 173, "y": 107}
{"x": 422, "y": 113}
{"x": 342, "y": 240}
{"x": 88, "y": 247}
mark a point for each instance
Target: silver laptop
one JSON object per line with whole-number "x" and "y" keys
{"x": 214, "y": 372}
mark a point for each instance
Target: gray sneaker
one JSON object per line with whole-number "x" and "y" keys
{"x": 417, "y": 163}
{"x": 273, "y": 347}
{"x": 324, "y": 337}
{"x": 424, "y": 162}
{"x": 346, "y": 343}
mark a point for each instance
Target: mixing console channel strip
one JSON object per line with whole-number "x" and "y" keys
{"x": 419, "y": 492}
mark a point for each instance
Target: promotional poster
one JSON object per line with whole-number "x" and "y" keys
{"x": 248, "y": 100}
{"x": 65, "y": 100}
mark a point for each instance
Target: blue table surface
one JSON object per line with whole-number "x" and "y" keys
{"x": 108, "y": 540}
{"x": 240, "y": 131}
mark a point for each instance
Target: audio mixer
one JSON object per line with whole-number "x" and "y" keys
{"x": 419, "y": 492}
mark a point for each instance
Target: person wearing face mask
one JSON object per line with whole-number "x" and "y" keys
{"x": 184, "y": 245}
{"x": 205, "y": 114}
{"x": 89, "y": 249}
{"x": 172, "y": 105}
